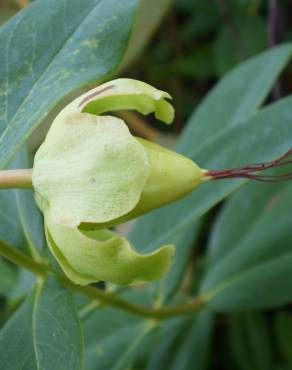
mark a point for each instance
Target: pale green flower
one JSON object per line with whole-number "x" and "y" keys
{"x": 91, "y": 173}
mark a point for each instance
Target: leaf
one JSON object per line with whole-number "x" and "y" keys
{"x": 283, "y": 331}
{"x": 30, "y": 216}
{"x": 193, "y": 350}
{"x": 250, "y": 343}
{"x": 24, "y": 284}
{"x": 213, "y": 125}
{"x": 229, "y": 49}
{"x": 31, "y": 219}
{"x": 113, "y": 337}
{"x": 71, "y": 44}
{"x": 256, "y": 273}
{"x": 44, "y": 333}
{"x": 8, "y": 277}
{"x": 148, "y": 18}
{"x": 182, "y": 343}
{"x": 10, "y": 225}
{"x": 241, "y": 213}
{"x": 165, "y": 340}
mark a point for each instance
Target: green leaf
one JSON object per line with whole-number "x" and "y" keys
{"x": 8, "y": 277}
{"x": 182, "y": 343}
{"x": 148, "y": 18}
{"x": 29, "y": 214}
{"x": 165, "y": 341}
{"x": 114, "y": 338}
{"x": 71, "y": 44}
{"x": 230, "y": 49}
{"x": 283, "y": 331}
{"x": 31, "y": 219}
{"x": 44, "y": 333}
{"x": 256, "y": 273}
{"x": 241, "y": 213}
{"x": 193, "y": 350}
{"x": 250, "y": 343}
{"x": 220, "y": 120}
{"x": 10, "y": 225}
{"x": 24, "y": 284}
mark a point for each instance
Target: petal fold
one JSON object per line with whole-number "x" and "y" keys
{"x": 125, "y": 93}
{"x": 96, "y": 255}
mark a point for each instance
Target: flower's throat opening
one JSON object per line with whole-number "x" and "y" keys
{"x": 248, "y": 171}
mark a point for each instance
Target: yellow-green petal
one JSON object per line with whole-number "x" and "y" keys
{"x": 125, "y": 93}
{"x": 89, "y": 169}
{"x": 91, "y": 256}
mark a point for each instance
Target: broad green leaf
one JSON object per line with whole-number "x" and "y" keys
{"x": 44, "y": 333}
{"x": 11, "y": 230}
{"x": 235, "y": 97}
{"x": 148, "y": 18}
{"x": 31, "y": 219}
{"x": 29, "y": 214}
{"x": 256, "y": 274}
{"x": 232, "y": 101}
{"x": 8, "y": 277}
{"x": 164, "y": 343}
{"x": 10, "y": 224}
{"x": 16, "y": 344}
{"x": 45, "y": 57}
{"x": 193, "y": 350}
{"x": 182, "y": 343}
{"x": 242, "y": 212}
{"x": 24, "y": 284}
{"x": 283, "y": 332}
{"x": 113, "y": 337}
{"x": 228, "y": 51}
{"x": 250, "y": 344}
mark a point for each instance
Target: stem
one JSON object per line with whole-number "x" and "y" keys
{"x": 21, "y": 259}
{"x": 247, "y": 171}
{"x": 41, "y": 269}
{"x": 16, "y": 178}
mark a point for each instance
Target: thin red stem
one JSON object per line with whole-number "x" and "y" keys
{"x": 247, "y": 171}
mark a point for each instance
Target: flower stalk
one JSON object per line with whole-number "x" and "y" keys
{"x": 248, "y": 171}
{"x": 19, "y": 178}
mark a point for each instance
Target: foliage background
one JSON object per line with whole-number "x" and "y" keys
{"x": 233, "y": 238}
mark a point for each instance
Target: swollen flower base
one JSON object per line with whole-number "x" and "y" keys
{"x": 91, "y": 173}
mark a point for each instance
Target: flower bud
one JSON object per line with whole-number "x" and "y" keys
{"x": 90, "y": 171}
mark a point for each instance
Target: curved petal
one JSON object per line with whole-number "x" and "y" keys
{"x": 125, "y": 93}
{"x": 91, "y": 256}
{"x": 89, "y": 169}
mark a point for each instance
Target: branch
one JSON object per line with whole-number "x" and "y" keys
{"x": 42, "y": 269}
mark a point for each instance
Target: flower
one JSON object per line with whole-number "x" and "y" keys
{"x": 90, "y": 173}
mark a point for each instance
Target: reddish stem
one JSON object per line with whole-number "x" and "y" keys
{"x": 247, "y": 171}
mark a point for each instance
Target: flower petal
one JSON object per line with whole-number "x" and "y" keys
{"x": 91, "y": 256}
{"x": 125, "y": 93}
{"x": 89, "y": 169}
